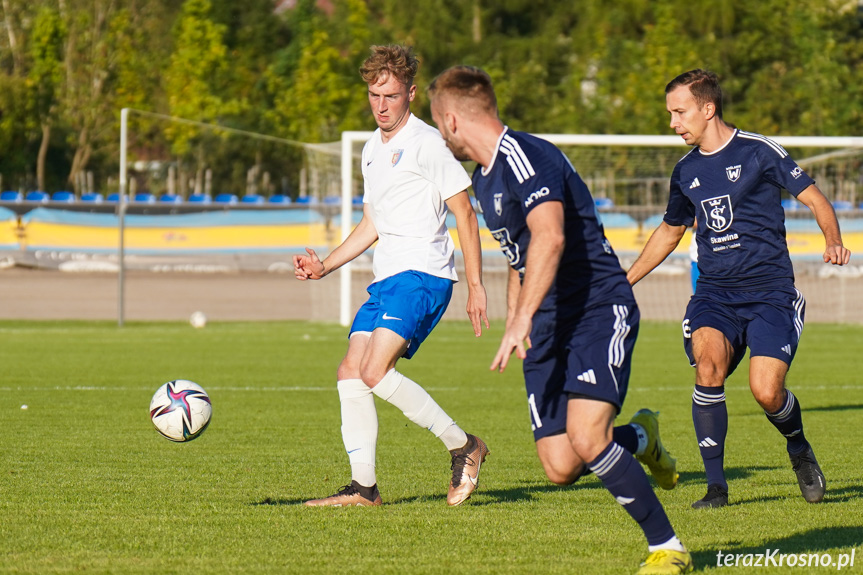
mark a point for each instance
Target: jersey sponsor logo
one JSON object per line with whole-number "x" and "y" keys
{"x": 796, "y": 172}
{"x": 695, "y": 183}
{"x": 540, "y": 193}
{"x": 733, "y": 172}
{"x": 718, "y": 212}
{"x": 507, "y": 246}
{"x": 397, "y": 155}
{"x": 498, "y": 203}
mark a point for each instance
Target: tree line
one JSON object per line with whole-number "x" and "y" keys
{"x": 289, "y": 69}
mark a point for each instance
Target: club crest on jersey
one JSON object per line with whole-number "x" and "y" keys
{"x": 733, "y": 172}
{"x": 397, "y": 155}
{"x": 498, "y": 203}
{"x": 718, "y": 212}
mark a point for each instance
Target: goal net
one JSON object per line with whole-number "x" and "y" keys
{"x": 628, "y": 176}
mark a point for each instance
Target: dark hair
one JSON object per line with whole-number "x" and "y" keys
{"x": 393, "y": 59}
{"x": 467, "y": 83}
{"x": 703, "y": 85}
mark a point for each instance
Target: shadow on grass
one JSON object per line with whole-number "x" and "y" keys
{"x": 731, "y": 474}
{"x": 822, "y": 540}
{"x": 834, "y": 408}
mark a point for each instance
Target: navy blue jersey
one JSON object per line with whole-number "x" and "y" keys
{"x": 734, "y": 193}
{"x": 526, "y": 172}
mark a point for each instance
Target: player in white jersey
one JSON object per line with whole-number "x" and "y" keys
{"x": 411, "y": 182}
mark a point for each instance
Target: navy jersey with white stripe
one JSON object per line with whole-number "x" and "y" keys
{"x": 734, "y": 193}
{"x": 525, "y": 172}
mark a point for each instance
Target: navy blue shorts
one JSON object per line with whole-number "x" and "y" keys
{"x": 409, "y": 303}
{"x": 769, "y": 323}
{"x": 589, "y": 356}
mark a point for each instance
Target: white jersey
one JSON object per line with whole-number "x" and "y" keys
{"x": 407, "y": 181}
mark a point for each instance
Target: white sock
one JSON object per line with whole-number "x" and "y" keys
{"x": 642, "y": 438}
{"x": 359, "y": 429}
{"x": 674, "y": 544}
{"x": 419, "y": 407}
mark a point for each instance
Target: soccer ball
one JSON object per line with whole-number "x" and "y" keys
{"x": 181, "y": 410}
{"x": 198, "y": 319}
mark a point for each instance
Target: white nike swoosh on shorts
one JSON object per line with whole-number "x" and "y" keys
{"x": 385, "y": 316}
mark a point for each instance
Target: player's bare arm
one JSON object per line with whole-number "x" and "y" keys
{"x": 513, "y": 288}
{"x": 546, "y": 247}
{"x": 310, "y": 266}
{"x": 468, "y": 236}
{"x": 661, "y": 243}
{"x": 834, "y": 252}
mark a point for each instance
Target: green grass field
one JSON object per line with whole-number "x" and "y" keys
{"x": 87, "y": 485}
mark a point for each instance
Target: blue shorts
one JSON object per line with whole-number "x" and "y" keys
{"x": 409, "y": 303}
{"x": 769, "y": 323}
{"x": 589, "y": 356}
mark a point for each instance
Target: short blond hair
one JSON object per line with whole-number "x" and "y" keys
{"x": 469, "y": 85}
{"x": 393, "y": 60}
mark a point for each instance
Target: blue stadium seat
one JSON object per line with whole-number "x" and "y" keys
{"x": 252, "y": 199}
{"x": 64, "y": 196}
{"x": 280, "y": 199}
{"x": 37, "y": 196}
{"x": 333, "y": 200}
{"x": 200, "y": 199}
{"x": 226, "y": 199}
{"x": 603, "y": 203}
{"x": 170, "y": 199}
{"x": 307, "y": 200}
{"x": 92, "y": 197}
{"x": 115, "y": 197}
{"x": 11, "y": 196}
{"x": 842, "y": 205}
{"x": 790, "y": 204}
{"x": 145, "y": 198}
{"x": 358, "y": 201}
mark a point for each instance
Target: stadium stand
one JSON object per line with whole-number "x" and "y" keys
{"x": 144, "y": 198}
{"x": 37, "y": 196}
{"x": 11, "y": 196}
{"x": 252, "y": 199}
{"x": 64, "y": 196}
{"x": 280, "y": 199}
{"x": 170, "y": 199}
{"x": 92, "y": 197}
{"x": 230, "y": 199}
{"x": 200, "y": 199}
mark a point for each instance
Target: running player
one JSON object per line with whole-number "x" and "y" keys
{"x": 730, "y": 183}
{"x": 411, "y": 180}
{"x": 569, "y": 299}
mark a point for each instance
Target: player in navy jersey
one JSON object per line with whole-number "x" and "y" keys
{"x": 730, "y": 183}
{"x": 568, "y": 298}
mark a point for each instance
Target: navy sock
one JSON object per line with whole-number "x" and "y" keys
{"x": 789, "y": 421}
{"x": 627, "y": 482}
{"x": 626, "y": 437}
{"x": 710, "y": 416}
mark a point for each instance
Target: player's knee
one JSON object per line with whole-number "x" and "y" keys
{"x": 709, "y": 372}
{"x": 347, "y": 370}
{"x": 372, "y": 374}
{"x": 770, "y": 400}
{"x": 567, "y": 476}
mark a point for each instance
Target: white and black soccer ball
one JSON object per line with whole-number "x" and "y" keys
{"x": 181, "y": 410}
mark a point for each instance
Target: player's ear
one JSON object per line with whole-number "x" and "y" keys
{"x": 412, "y": 92}
{"x": 709, "y": 110}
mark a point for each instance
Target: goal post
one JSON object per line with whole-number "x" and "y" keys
{"x": 631, "y": 174}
